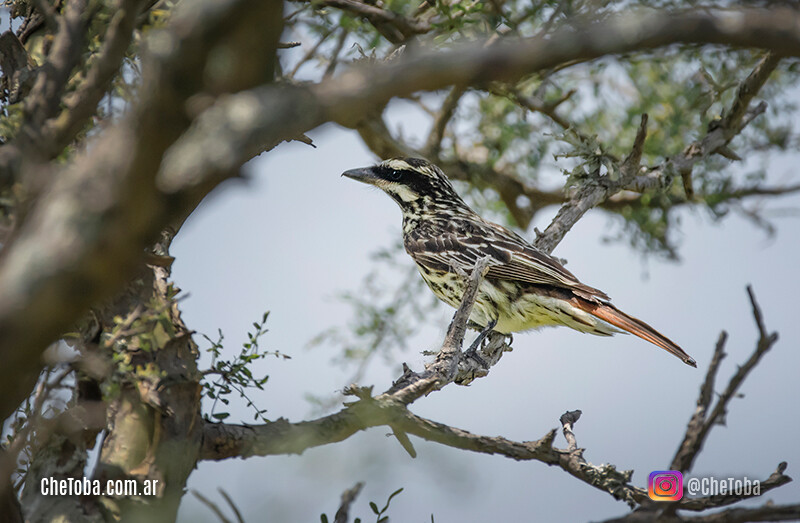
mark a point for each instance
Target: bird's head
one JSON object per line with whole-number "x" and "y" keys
{"x": 415, "y": 184}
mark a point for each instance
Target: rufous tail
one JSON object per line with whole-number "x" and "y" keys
{"x": 617, "y": 318}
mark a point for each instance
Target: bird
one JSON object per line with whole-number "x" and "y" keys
{"x": 523, "y": 289}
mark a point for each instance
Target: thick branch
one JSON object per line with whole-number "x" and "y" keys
{"x": 83, "y": 103}
{"x": 222, "y": 441}
{"x": 89, "y": 230}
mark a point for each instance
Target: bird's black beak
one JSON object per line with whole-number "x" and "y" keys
{"x": 365, "y": 175}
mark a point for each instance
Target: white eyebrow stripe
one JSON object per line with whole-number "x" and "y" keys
{"x": 396, "y": 163}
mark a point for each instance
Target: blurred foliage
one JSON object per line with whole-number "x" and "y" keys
{"x": 386, "y": 311}
{"x": 380, "y": 513}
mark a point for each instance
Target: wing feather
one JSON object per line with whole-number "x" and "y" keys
{"x": 512, "y": 258}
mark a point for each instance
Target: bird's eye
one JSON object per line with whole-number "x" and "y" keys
{"x": 394, "y": 175}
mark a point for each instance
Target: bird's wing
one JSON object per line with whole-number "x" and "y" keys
{"x": 532, "y": 266}
{"x": 511, "y": 258}
{"x": 453, "y": 253}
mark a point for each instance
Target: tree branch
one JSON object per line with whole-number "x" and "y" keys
{"x": 766, "y": 512}
{"x": 43, "y": 100}
{"x": 700, "y": 425}
{"x": 775, "y": 480}
{"x": 391, "y": 408}
{"x": 81, "y": 105}
{"x": 393, "y": 26}
{"x": 433, "y": 143}
{"x": 592, "y": 194}
{"x": 90, "y": 228}
{"x": 692, "y": 441}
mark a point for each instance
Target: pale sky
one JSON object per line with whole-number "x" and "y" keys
{"x": 297, "y": 234}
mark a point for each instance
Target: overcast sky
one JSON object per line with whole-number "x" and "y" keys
{"x": 297, "y": 234}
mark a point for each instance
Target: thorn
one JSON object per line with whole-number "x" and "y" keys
{"x": 402, "y": 438}
{"x": 305, "y": 139}
{"x": 726, "y": 152}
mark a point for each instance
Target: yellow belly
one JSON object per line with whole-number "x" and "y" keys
{"x": 515, "y": 308}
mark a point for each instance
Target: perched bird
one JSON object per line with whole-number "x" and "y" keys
{"x": 524, "y": 288}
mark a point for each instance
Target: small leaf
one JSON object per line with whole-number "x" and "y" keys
{"x": 221, "y": 415}
{"x": 396, "y": 492}
{"x": 374, "y": 507}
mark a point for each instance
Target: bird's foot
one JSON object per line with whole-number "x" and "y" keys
{"x": 472, "y": 352}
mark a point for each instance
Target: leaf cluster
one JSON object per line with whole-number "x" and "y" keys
{"x": 236, "y": 374}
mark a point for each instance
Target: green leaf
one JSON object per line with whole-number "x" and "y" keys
{"x": 396, "y": 492}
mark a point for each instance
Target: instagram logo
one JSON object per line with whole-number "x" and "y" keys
{"x": 665, "y": 485}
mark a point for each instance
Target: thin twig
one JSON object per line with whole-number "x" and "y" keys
{"x": 692, "y": 441}
{"x": 393, "y": 26}
{"x": 335, "y": 54}
{"x": 433, "y": 143}
{"x": 212, "y": 506}
{"x": 630, "y": 166}
{"x": 458, "y": 327}
{"x": 762, "y": 330}
{"x": 685, "y": 458}
{"x": 547, "y": 109}
{"x": 568, "y": 419}
{"x": 310, "y": 53}
{"x": 348, "y": 496}
{"x": 734, "y": 119}
{"x": 231, "y": 504}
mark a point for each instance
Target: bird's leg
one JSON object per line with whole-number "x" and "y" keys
{"x": 472, "y": 352}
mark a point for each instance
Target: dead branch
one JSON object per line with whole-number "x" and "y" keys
{"x": 700, "y": 425}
